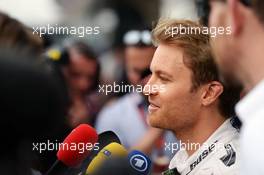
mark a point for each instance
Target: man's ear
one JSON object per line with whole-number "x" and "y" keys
{"x": 211, "y": 92}
{"x": 236, "y": 16}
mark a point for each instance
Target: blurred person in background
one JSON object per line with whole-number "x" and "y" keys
{"x": 127, "y": 116}
{"x": 77, "y": 65}
{"x": 194, "y": 104}
{"x": 32, "y": 110}
{"x": 82, "y": 76}
{"x": 243, "y": 64}
{"x": 15, "y": 34}
{"x": 18, "y": 42}
{"x": 113, "y": 60}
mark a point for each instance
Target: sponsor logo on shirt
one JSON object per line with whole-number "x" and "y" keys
{"x": 230, "y": 158}
{"x": 202, "y": 156}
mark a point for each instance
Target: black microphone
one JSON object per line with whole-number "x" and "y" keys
{"x": 106, "y": 138}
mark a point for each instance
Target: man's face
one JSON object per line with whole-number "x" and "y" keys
{"x": 224, "y": 50}
{"x": 138, "y": 59}
{"x": 81, "y": 73}
{"x": 174, "y": 106}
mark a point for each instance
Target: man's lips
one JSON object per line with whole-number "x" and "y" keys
{"x": 151, "y": 102}
{"x": 152, "y": 107}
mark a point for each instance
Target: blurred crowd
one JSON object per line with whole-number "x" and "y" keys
{"x": 50, "y": 85}
{"x": 49, "y": 88}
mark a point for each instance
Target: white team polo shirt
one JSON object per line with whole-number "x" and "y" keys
{"x": 219, "y": 155}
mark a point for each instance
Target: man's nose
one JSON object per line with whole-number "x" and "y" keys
{"x": 148, "y": 88}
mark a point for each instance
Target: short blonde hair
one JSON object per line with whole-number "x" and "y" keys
{"x": 196, "y": 47}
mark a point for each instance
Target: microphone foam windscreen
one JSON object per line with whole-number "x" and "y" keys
{"x": 109, "y": 151}
{"x": 77, "y": 145}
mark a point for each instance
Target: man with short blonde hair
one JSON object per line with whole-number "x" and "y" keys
{"x": 192, "y": 103}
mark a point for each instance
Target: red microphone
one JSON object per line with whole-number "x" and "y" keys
{"x": 74, "y": 150}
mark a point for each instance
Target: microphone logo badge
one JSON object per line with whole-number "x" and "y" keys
{"x": 107, "y": 153}
{"x": 139, "y": 162}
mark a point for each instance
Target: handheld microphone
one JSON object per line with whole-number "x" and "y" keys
{"x": 139, "y": 162}
{"x": 109, "y": 151}
{"x": 136, "y": 163}
{"x": 70, "y": 154}
{"x": 104, "y": 139}
{"x": 107, "y": 137}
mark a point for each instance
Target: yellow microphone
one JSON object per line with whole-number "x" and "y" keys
{"x": 109, "y": 151}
